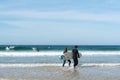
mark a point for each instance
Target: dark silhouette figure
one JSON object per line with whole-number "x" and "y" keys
{"x": 75, "y": 55}
{"x": 37, "y": 49}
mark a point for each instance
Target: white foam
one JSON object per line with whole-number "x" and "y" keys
{"x": 60, "y": 64}
{"x": 56, "y": 53}
{"x": 29, "y": 54}
{"x": 91, "y": 53}
{"x": 101, "y": 64}
{"x": 28, "y": 65}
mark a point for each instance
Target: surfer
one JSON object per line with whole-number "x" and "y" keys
{"x": 75, "y": 55}
{"x": 37, "y": 49}
{"x": 65, "y": 59}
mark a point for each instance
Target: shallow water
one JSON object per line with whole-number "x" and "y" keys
{"x": 60, "y": 73}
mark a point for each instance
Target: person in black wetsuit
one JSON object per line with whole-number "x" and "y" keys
{"x": 75, "y": 55}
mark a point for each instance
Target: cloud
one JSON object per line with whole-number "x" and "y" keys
{"x": 22, "y": 24}
{"x": 15, "y": 10}
{"x": 65, "y": 15}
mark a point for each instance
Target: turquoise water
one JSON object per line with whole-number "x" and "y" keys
{"x": 48, "y": 54}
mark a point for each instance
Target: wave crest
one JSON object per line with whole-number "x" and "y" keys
{"x": 51, "y": 53}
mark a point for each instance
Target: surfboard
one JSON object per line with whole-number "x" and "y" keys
{"x": 68, "y": 55}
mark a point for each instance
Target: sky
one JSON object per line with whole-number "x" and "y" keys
{"x": 59, "y": 22}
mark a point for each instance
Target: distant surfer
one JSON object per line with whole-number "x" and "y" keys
{"x": 75, "y": 56}
{"x": 65, "y": 58}
{"x": 37, "y": 49}
{"x": 9, "y": 48}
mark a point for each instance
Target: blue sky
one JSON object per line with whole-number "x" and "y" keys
{"x": 60, "y": 22}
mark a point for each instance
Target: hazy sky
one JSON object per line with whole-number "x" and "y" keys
{"x": 60, "y": 22}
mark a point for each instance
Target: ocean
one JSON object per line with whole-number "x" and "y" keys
{"x": 42, "y": 62}
{"x": 40, "y": 55}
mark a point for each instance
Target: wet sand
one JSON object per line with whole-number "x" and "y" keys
{"x": 60, "y": 73}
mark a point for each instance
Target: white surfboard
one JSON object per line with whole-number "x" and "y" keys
{"x": 69, "y": 55}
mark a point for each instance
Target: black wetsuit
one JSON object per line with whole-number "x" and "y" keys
{"x": 75, "y": 56}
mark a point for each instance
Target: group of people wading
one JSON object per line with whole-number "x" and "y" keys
{"x": 75, "y": 56}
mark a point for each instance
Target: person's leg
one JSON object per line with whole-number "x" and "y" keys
{"x": 69, "y": 62}
{"x": 64, "y": 62}
{"x": 75, "y": 62}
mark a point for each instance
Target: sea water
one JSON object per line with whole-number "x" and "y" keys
{"x": 40, "y": 55}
